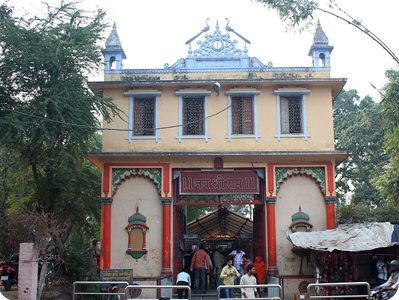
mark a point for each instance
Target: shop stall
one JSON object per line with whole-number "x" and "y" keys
{"x": 347, "y": 253}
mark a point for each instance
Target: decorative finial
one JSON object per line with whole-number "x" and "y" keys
{"x": 114, "y": 26}
{"x": 300, "y": 208}
{"x": 217, "y": 25}
{"x": 318, "y": 23}
{"x": 228, "y": 28}
{"x": 206, "y": 28}
{"x": 190, "y": 50}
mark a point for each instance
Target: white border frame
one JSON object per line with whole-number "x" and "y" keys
{"x": 230, "y": 119}
{"x": 288, "y": 93}
{"x": 204, "y": 94}
{"x": 133, "y": 95}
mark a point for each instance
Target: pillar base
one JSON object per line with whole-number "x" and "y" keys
{"x": 272, "y": 271}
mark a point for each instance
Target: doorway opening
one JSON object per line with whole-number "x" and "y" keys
{"x": 219, "y": 221}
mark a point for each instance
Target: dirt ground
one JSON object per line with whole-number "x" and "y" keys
{"x": 11, "y": 295}
{"x": 59, "y": 293}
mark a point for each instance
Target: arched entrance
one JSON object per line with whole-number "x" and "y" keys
{"x": 221, "y": 189}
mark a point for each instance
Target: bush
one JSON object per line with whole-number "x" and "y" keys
{"x": 348, "y": 214}
{"x": 79, "y": 259}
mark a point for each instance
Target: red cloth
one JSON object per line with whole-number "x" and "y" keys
{"x": 246, "y": 264}
{"x": 260, "y": 270}
{"x": 199, "y": 259}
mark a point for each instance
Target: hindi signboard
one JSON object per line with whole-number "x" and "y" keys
{"x": 117, "y": 275}
{"x": 218, "y": 183}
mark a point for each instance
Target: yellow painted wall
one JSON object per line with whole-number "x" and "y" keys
{"x": 319, "y": 123}
{"x": 132, "y": 192}
{"x": 154, "y": 76}
{"x": 295, "y": 191}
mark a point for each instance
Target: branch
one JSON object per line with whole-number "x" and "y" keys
{"x": 362, "y": 173}
{"x": 366, "y": 31}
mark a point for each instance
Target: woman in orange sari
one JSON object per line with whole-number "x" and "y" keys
{"x": 260, "y": 271}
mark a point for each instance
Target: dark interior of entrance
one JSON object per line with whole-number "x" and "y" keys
{"x": 221, "y": 227}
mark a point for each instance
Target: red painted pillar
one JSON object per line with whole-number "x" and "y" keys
{"x": 166, "y": 236}
{"x": 271, "y": 235}
{"x": 330, "y": 199}
{"x": 105, "y": 259}
{"x": 330, "y": 208}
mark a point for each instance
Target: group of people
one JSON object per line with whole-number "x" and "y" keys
{"x": 221, "y": 267}
{"x": 390, "y": 284}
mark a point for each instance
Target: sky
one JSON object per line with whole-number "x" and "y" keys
{"x": 154, "y": 32}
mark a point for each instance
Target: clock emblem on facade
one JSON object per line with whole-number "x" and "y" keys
{"x": 217, "y": 44}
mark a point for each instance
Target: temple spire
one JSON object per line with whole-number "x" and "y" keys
{"x": 113, "y": 51}
{"x": 320, "y": 49}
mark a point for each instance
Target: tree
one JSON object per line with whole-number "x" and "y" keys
{"x": 297, "y": 12}
{"x": 44, "y": 68}
{"x": 352, "y": 213}
{"x": 357, "y": 128}
{"x": 389, "y": 182}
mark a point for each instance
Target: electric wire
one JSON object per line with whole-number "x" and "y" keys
{"x": 111, "y": 129}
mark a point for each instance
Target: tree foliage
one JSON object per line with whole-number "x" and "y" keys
{"x": 357, "y": 128}
{"x": 44, "y": 67}
{"x": 348, "y": 214}
{"x": 294, "y": 12}
{"x": 389, "y": 182}
{"x": 301, "y": 13}
{"x": 23, "y": 225}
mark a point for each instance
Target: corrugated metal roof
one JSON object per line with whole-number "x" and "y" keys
{"x": 220, "y": 223}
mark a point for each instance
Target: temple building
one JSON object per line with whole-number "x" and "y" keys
{"x": 217, "y": 128}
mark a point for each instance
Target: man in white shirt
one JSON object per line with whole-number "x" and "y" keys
{"x": 183, "y": 278}
{"x": 237, "y": 254}
{"x": 249, "y": 279}
{"x": 393, "y": 281}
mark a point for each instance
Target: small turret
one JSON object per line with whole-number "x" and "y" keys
{"x": 113, "y": 52}
{"x": 320, "y": 50}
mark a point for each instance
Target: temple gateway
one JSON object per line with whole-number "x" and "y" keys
{"x": 223, "y": 129}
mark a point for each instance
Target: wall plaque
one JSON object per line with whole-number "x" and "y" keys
{"x": 218, "y": 183}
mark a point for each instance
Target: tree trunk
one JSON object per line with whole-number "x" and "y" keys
{"x": 41, "y": 280}
{"x": 362, "y": 174}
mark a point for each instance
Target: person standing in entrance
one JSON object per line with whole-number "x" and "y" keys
{"x": 246, "y": 262}
{"x": 219, "y": 260}
{"x": 183, "y": 278}
{"x": 228, "y": 274}
{"x": 261, "y": 274}
{"x": 238, "y": 254}
{"x": 249, "y": 279}
{"x": 200, "y": 259}
{"x": 382, "y": 270}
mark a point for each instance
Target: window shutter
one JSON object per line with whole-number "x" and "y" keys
{"x": 193, "y": 110}
{"x": 236, "y": 113}
{"x": 138, "y": 117}
{"x": 242, "y": 115}
{"x": 144, "y": 116}
{"x": 295, "y": 115}
{"x": 248, "y": 116}
{"x": 285, "y": 123}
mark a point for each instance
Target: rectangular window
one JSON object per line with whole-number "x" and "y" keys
{"x": 193, "y": 116}
{"x": 291, "y": 115}
{"x": 242, "y": 115}
{"x": 144, "y": 116}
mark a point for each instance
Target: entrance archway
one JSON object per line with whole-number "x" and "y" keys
{"x": 221, "y": 189}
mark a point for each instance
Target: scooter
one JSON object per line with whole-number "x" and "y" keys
{"x": 9, "y": 273}
{"x": 378, "y": 294}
